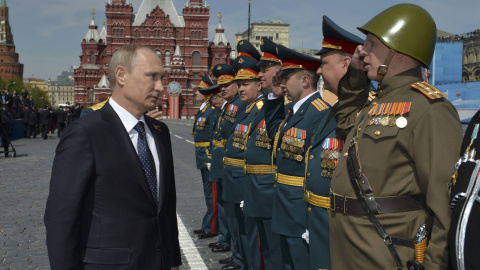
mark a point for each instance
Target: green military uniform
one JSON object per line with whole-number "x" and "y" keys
{"x": 202, "y": 134}
{"x": 409, "y": 161}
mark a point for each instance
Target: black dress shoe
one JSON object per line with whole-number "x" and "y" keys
{"x": 221, "y": 248}
{"x": 225, "y": 261}
{"x": 231, "y": 266}
{"x": 205, "y": 235}
{"x": 214, "y": 244}
{"x": 198, "y": 231}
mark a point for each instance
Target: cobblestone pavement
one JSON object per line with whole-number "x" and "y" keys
{"x": 24, "y": 184}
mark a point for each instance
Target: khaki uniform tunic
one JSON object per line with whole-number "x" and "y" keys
{"x": 415, "y": 160}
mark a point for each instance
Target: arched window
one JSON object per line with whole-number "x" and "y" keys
{"x": 178, "y": 33}
{"x": 136, "y": 33}
{"x": 147, "y": 33}
{"x": 196, "y": 59}
{"x": 159, "y": 54}
{"x": 92, "y": 58}
{"x": 220, "y": 59}
{"x": 167, "y": 33}
{"x": 122, "y": 33}
{"x": 199, "y": 34}
{"x": 193, "y": 34}
{"x": 167, "y": 58}
{"x": 114, "y": 32}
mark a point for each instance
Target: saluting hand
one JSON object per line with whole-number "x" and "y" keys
{"x": 357, "y": 58}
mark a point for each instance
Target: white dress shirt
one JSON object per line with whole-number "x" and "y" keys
{"x": 129, "y": 121}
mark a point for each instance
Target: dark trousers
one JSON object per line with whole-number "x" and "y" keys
{"x": 60, "y": 127}
{"x": 295, "y": 253}
{"x": 232, "y": 214}
{"x": 250, "y": 243}
{"x": 32, "y": 131}
{"x": 209, "y": 223}
{"x": 25, "y": 129}
{"x": 44, "y": 131}
{"x": 270, "y": 245}
{"x": 4, "y": 134}
{"x": 225, "y": 236}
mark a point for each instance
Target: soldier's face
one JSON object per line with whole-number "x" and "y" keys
{"x": 199, "y": 97}
{"x": 332, "y": 69}
{"x": 249, "y": 90}
{"x": 217, "y": 101}
{"x": 374, "y": 53}
{"x": 229, "y": 90}
{"x": 293, "y": 86}
{"x": 266, "y": 76}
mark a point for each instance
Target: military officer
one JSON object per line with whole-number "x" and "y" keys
{"x": 259, "y": 168}
{"x": 337, "y": 48}
{"x": 389, "y": 190}
{"x": 202, "y": 132}
{"x": 250, "y": 92}
{"x": 233, "y": 106}
{"x": 289, "y": 215}
{"x": 464, "y": 233}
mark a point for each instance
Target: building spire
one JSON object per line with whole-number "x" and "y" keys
{"x": 3, "y": 4}
{"x": 220, "y": 33}
{"x": 92, "y": 30}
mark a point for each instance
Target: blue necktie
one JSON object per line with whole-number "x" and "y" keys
{"x": 146, "y": 158}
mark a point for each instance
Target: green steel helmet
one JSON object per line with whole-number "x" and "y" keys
{"x": 405, "y": 28}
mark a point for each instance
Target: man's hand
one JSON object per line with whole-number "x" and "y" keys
{"x": 156, "y": 114}
{"x": 357, "y": 58}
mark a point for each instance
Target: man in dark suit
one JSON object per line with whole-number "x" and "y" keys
{"x": 104, "y": 210}
{"x": 61, "y": 120}
{"x": 44, "y": 116}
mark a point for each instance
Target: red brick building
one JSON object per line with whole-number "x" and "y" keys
{"x": 180, "y": 41}
{"x": 10, "y": 68}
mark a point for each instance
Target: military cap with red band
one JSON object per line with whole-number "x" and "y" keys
{"x": 269, "y": 53}
{"x": 207, "y": 87}
{"x": 245, "y": 48}
{"x": 224, "y": 73}
{"x": 293, "y": 61}
{"x": 337, "y": 38}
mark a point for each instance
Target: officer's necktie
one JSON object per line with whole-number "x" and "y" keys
{"x": 146, "y": 158}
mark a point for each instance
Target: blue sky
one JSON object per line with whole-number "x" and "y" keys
{"x": 47, "y": 33}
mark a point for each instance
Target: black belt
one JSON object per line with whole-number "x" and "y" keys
{"x": 353, "y": 206}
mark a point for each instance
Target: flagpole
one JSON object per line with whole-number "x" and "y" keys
{"x": 249, "y": 2}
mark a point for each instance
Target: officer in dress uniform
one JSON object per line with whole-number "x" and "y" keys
{"x": 290, "y": 142}
{"x": 250, "y": 93}
{"x": 202, "y": 135}
{"x": 259, "y": 168}
{"x": 321, "y": 158}
{"x": 389, "y": 193}
{"x": 233, "y": 106}
{"x": 465, "y": 184}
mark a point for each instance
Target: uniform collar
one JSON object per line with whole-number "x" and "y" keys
{"x": 399, "y": 80}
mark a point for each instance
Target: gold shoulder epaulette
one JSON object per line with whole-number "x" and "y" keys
{"x": 98, "y": 106}
{"x": 371, "y": 95}
{"x": 259, "y": 104}
{"x": 319, "y": 104}
{"x": 428, "y": 90}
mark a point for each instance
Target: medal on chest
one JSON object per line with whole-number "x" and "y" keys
{"x": 262, "y": 139}
{"x": 293, "y": 143}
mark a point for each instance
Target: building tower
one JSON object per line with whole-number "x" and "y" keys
{"x": 219, "y": 49}
{"x": 10, "y": 68}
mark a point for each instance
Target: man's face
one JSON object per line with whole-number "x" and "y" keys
{"x": 332, "y": 70}
{"x": 199, "y": 97}
{"x": 278, "y": 89}
{"x": 248, "y": 90}
{"x": 143, "y": 83}
{"x": 293, "y": 86}
{"x": 266, "y": 76}
{"x": 229, "y": 90}
{"x": 217, "y": 101}
{"x": 374, "y": 53}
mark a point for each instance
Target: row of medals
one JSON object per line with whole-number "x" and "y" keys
{"x": 388, "y": 120}
{"x": 329, "y": 162}
{"x": 231, "y": 116}
{"x": 239, "y": 139}
{"x": 292, "y": 148}
{"x": 201, "y": 125}
{"x": 262, "y": 139}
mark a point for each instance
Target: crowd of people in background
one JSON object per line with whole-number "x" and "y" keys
{"x": 37, "y": 121}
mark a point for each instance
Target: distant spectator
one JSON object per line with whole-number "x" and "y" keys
{"x": 32, "y": 123}
{"x": 25, "y": 116}
{"x": 15, "y": 105}
{"x": 52, "y": 122}
{"x": 5, "y": 128}
{"x": 44, "y": 116}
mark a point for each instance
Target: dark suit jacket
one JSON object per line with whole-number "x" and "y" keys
{"x": 61, "y": 116}
{"x": 44, "y": 117}
{"x": 100, "y": 213}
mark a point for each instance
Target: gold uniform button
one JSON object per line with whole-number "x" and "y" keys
{"x": 359, "y": 128}
{"x": 374, "y": 103}
{"x": 308, "y": 174}
{"x": 309, "y": 209}
{"x": 377, "y": 132}
{"x": 312, "y": 156}
{"x": 345, "y": 154}
{"x": 278, "y": 149}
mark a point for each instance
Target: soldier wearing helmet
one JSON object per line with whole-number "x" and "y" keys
{"x": 389, "y": 205}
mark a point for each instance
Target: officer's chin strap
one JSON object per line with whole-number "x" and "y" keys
{"x": 382, "y": 69}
